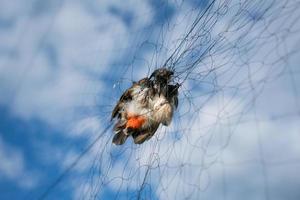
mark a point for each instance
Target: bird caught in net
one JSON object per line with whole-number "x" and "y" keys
{"x": 144, "y": 106}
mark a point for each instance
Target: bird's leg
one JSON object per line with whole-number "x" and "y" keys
{"x": 126, "y": 131}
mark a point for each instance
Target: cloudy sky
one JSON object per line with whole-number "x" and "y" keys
{"x": 235, "y": 135}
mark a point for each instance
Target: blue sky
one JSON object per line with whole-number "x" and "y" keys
{"x": 63, "y": 65}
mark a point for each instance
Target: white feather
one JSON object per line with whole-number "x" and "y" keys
{"x": 155, "y": 109}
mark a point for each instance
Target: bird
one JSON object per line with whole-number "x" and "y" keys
{"x": 145, "y": 105}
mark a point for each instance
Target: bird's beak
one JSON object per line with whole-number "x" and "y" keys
{"x": 151, "y": 75}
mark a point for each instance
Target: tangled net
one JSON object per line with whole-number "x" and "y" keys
{"x": 225, "y": 53}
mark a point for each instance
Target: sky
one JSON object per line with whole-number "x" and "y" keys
{"x": 64, "y": 64}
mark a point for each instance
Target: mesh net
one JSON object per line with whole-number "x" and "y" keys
{"x": 238, "y": 105}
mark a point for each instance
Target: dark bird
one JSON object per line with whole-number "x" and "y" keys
{"x": 144, "y": 106}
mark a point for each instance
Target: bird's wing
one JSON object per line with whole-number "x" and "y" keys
{"x": 126, "y": 96}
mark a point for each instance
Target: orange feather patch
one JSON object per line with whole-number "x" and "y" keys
{"x": 135, "y": 121}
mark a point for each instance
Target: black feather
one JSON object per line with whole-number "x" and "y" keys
{"x": 120, "y": 138}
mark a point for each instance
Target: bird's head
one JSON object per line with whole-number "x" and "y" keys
{"x": 162, "y": 75}
{"x": 161, "y": 78}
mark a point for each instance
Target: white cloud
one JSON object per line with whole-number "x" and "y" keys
{"x": 224, "y": 131}
{"x": 82, "y": 52}
{"x": 86, "y": 44}
{"x": 13, "y": 168}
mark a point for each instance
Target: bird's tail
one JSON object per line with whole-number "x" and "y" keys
{"x": 120, "y": 138}
{"x": 141, "y": 137}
